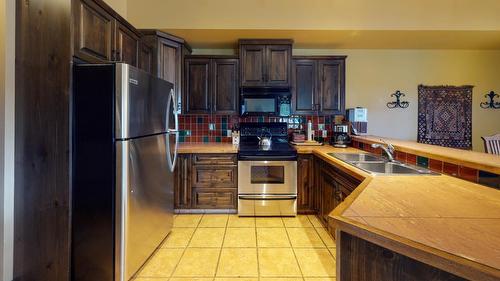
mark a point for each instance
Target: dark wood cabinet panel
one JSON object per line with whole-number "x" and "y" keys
{"x": 364, "y": 261}
{"x": 215, "y": 159}
{"x": 126, "y": 45}
{"x": 332, "y": 95}
{"x": 182, "y": 182}
{"x": 93, "y": 32}
{"x": 145, "y": 57}
{"x": 305, "y": 184}
{"x": 278, "y": 58}
{"x": 225, "y": 86}
{"x": 318, "y": 85}
{"x": 168, "y": 53}
{"x": 206, "y": 181}
{"x": 328, "y": 187}
{"x": 222, "y": 199}
{"x": 220, "y": 76}
{"x": 304, "y": 77}
{"x": 253, "y": 65}
{"x": 214, "y": 176}
{"x": 197, "y": 86}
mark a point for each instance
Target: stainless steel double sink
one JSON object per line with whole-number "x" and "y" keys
{"x": 377, "y": 165}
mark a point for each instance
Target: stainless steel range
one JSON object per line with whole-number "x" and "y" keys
{"x": 267, "y": 174}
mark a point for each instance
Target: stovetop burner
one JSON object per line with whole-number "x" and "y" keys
{"x": 280, "y": 149}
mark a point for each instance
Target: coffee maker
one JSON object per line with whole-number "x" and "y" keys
{"x": 340, "y": 136}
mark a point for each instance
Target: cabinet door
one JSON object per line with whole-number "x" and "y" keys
{"x": 170, "y": 65}
{"x": 214, "y": 176}
{"x": 305, "y": 184}
{"x": 304, "y": 78}
{"x": 93, "y": 32}
{"x": 126, "y": 45}
{"x": 328, "y": 193}
{"x": 182, "y": 182}
{"x": 220, "y": 199}
{"x": 278, "y": 60}
{"x": 225, "y": 86}
{"x": 253, "y": 65}
{"x": 197, "y": 89}
{"x": 146, "y": 57}
{"x": 332, "y": 87}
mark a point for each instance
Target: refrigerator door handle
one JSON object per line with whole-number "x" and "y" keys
{"x": 171, "y": 103}
{"x": 175, "y": 131}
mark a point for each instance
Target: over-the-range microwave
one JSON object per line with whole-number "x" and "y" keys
{"x": 265, "y": 102}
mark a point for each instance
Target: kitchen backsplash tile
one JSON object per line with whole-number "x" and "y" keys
{"x": 217, "y": 128}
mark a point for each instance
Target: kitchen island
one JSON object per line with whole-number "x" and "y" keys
{"x": 435, "y": 227}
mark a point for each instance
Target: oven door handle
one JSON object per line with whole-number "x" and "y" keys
{"x": 267, "y": 158}
{"x": 267, "y": 197}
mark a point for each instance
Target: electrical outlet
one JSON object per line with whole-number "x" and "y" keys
{"x": 228, "y": 133}
{"x": 321, "y": 126}
{"x": 325, "y": 133}
{"x": 188, "y": 133}
{"x": 211, "y": 126}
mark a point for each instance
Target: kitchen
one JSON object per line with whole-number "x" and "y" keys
{"x": 256, "y": 145}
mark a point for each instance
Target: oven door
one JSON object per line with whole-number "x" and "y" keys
{"x": 267, "y": 205}
{"x": 267, "y": 177}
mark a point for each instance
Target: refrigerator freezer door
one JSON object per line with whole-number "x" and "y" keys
{"x": 144, "y": 209}
{"x": 141, "y": 103}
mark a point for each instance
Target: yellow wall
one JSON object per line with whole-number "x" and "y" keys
{"x": 316, "y": 14}
{"x": 372, "y": 75}
{"x": 120, "y": 6}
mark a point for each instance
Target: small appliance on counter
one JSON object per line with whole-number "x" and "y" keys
{"x": 359, "y": 119}
{"x": 340, "y": 136}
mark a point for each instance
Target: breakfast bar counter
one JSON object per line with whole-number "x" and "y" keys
{"x": 436, "y": 220}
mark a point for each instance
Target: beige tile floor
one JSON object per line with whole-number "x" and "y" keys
{"x": 229, "y": 248}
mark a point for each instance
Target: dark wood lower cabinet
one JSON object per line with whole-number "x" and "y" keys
{"x": 305, "y": 184}
{"x": 206, "y": 181}
{"x": 332, "y": 187}
{"x": 361, "y": 260}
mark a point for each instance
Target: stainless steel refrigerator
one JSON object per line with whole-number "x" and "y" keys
{"x": 124, "y": 149}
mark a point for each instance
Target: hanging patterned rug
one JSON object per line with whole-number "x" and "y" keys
{"x": 445, "y": 116}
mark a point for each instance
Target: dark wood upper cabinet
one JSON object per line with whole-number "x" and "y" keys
{"x": 211, "y": 85}
{"x": 145, "y": 57}
{"x": 168, "y": 53}
{"x": 278, "y": 65}
{"x": 225, "y": 86}
{"x": 197, "y": 90}
{"x": 265, "y": 63}
{"x": 126, "y": 45}
{"x": 318, "y": 85}
{"x": 332, "y": 86}
{"x": 304, "y": 78}
{"x": 101, "y": 35}
{"x": 253, "y": 64}
{"x": 93, "y": 32}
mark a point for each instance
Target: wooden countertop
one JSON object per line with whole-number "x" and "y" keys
{"x": 185, "y": 148}
{"x": 472, "y": 159}
{"x": 449, "y": 223}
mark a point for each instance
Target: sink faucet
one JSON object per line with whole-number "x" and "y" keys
{"x": 389, "y": 150}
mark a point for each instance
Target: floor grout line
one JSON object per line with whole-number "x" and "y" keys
{"x": 185, "y": 248}
{"x": 221, "y": 247}
{"x": 293, "y": 250}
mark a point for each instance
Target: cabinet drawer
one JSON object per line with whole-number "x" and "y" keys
{"x": 214, "y": 176}
{"x": 220, "y": 199}
{"x": 215, "y": 159}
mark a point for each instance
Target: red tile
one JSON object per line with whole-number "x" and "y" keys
{"x": 354, "y": 144}
{"x": 411, "y": 158}
{"x": 450, "y": 169}
{"x": 401, "y": 156}
{"x": 467, "y": 173}
{"x": 435, "y": 165}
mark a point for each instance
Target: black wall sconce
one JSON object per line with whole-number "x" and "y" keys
{"x": 491, "y": 103}
{"x": 398, "y": 102}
